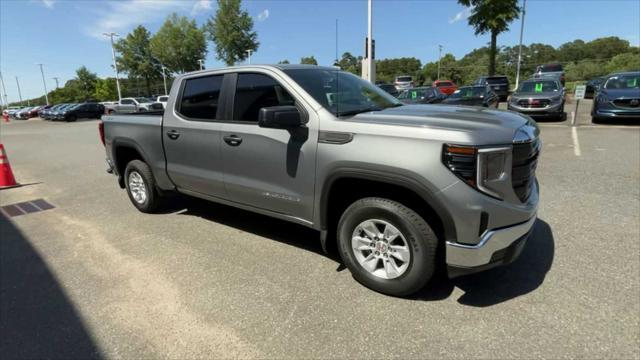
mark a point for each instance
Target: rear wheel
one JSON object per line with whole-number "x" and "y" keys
{"x": 72, "y": 118}
{"x": 387, "y": 246}
{"x": 141, "y": 187}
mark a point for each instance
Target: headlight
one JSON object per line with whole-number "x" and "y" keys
{"x": 602, "y": 99}
{"x": 556, "y": 99}
{"x": 513, "y": 100}
{"x": 484, "y": 169}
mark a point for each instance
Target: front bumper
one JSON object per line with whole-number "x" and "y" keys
{"x": 497, "y": 247}
{"x": 551, "y": 110}
{"x": 617, "y": 113}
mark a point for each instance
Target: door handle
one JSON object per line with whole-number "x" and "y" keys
{"x": 233, "y": 140}
{"x": 173, "y": 134}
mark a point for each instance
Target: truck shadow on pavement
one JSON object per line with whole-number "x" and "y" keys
{"x": 504, "y": 283}
{"x": 488, "y": 288}
{"x": 37, "y": 319}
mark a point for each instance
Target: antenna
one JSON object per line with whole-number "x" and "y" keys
{"x": 337, "y": 42}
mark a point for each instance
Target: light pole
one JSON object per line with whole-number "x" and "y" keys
{"x": 249, "y": 55}
{"x": 164, "y": 78}
{"x": 115, "y": 65}
{"x": 201, "y": 62}
{"x": 4, "y": 90}
{"x": 371, "y": 76}
{"x": 44, "y": 83}
{"x": 19, "y": 93}
{"x": 439, "y": 58}
{"x": 524, "y": 5}
{"x": 56, "y": 79}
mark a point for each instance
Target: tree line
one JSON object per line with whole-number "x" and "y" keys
{"x": 582, "y": 61}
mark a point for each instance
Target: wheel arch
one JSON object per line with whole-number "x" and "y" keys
{"x": 124, "y": 152}
{"x": 347, "y": 185}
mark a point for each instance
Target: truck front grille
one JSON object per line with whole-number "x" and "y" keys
{"x": 534, "y": 103}
{"x": 523, "y": 168}
{"x": 627, "y": 103}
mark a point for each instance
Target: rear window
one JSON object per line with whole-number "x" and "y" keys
{"x": 549, "y": 68}
{"x": 403, "y": 78}
{"x": 497, "y": 80}
{"x": 200, "y": 96}
{"x": 163, "y": 98}
{"x": 444, "y": 83}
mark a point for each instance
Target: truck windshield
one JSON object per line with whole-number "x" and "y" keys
{"x": 342, "y": 93}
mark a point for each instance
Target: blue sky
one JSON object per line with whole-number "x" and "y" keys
{"x": 66, "y": 34}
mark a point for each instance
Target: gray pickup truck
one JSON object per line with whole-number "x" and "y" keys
{"x": 397, "y": 189}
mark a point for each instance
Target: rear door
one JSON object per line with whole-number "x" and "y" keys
{"x": 272, "y": 169}
{"x": 191, "y": 135}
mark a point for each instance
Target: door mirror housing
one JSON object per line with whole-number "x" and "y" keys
{"x": 280, "y": 117}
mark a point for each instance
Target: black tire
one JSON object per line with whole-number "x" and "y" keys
{"x": 72, "y": 118}
{"x": 422, "y": 244}
{"x": 153, "y": 198}
{"x": 595, "y": 120}
{"x": 111, "y": 112}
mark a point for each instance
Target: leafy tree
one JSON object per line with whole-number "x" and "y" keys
{"x": 308, "y": 60}
{"x": 350, "y": 63}
{"x": 135, "y": 56}
{"x": 387, "y": 69}
{"x": 179, "y": 44}
{"x": 606, "y": 48}
{"x": 492, "y": 16}
{"x": 231, "y": 30}
{"x": 285, "y": 61}
{"x": 106, "y": 90}
{"x": 624, "y": 62}
{"x": 84, "y": 84}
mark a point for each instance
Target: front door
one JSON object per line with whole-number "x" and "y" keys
{"x": 191, "y": 136}
{"x": 272, "y": 169}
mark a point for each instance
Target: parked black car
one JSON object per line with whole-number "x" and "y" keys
{"x": 48, "y": 114}
{"x": 592, "y": 87}
{"x": 389, "y": 88}
{"x": 422, "y": 95}
{"x": 83, "y": 110}
{"x": 477, "y": 95}
{"x": 498, "y": 83}
{"x": 618, "y": 98}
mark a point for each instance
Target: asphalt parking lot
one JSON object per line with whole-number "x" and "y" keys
{"x": 95, "y": 277}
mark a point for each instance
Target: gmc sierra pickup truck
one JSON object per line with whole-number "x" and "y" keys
{"x": 397, "y": 189}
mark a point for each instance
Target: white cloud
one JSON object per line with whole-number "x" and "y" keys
{"x": 200, "y": 6}
{"x": 264, "y": 15}
{"x": 462, "y": 15}
{"x": 121, "y": 16}
{"x": 48, "y": 3}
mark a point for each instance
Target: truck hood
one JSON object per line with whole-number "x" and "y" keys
{"x": 492, "y": 126}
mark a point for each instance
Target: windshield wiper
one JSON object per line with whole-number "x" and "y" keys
{"x": 357, "y": 111}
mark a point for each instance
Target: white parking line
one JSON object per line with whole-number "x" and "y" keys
{"x": 576, "y": 142}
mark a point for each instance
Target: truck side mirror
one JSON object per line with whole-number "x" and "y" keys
{"x": 280, "y": 117}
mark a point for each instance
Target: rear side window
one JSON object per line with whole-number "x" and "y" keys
{"x": 444, "y": 83}
{"x": 200, "y": 97}
{"x": 126, "y": 102}
{"x": 255, "y": 91}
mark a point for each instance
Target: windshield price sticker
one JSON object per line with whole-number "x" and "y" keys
{"x": 538, "y": 87}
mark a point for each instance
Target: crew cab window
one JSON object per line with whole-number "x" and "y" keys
{"x": 255, "y": 91}
{"x": 200, "y": 97}
{"x": 126, "y": 102}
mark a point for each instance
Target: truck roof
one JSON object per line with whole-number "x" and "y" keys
{"x": 265, "y": 66}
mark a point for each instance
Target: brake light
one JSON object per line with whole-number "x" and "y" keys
{"x": 101, "y": 131}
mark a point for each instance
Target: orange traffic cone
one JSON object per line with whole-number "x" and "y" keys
{"x": 6, "y": 174}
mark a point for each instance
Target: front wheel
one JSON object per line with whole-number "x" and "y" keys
{"x": 141, "y": 187}
{"x": 387, "y": 246}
